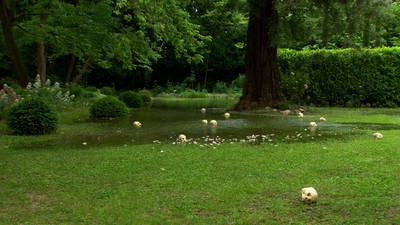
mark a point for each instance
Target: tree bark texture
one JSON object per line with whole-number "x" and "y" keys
{"x": 261, "y": 87}
{"x": 15, "y": 56}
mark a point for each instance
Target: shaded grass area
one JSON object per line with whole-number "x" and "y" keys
{"x": 241, "y": 183}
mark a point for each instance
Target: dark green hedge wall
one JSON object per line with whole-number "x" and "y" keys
{"x": 346, "y": 77}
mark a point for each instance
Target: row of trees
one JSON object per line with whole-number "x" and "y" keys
{"x": 134, "y": 43}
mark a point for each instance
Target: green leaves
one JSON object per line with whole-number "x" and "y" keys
{"x": 355, "y": 78}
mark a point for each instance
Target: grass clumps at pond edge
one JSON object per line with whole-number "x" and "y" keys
{"x": 357, "y": 180}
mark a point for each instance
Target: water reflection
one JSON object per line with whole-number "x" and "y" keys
{"x": 163, "y": 123}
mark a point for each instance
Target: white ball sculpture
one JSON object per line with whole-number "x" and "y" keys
{"x": 137, "y": 124}
{"x": 300, "y": 115}
{"x": 203, "y": 110}
{"x": 213, "y": 123}
{"x": 322, "y": 119}
{"x": 378, "y": 135}
{"x": 309, "y": 195}
{"x": 204, "y": 122}
{"x": 182, "y": 138}
{"x": 227, "y": 115}
{"x": 312, "y": 124}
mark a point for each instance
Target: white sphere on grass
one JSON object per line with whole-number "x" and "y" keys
{"x": 378, "y": 135}
{"x": 137, "y": 124}
{"x": 309, "y": 195}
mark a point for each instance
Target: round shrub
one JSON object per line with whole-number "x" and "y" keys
{"x": 108, "y": 107}
{"x": 108, "y": 91}
{"x": 146, "y": 96}
{"x": 32, "y": 116}
{"x": 131, "y": 99}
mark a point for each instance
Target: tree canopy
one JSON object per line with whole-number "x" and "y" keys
{"x": 71, "y": 40}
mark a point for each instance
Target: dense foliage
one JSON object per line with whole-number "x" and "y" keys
{"x": 108, "y": 91}
{"x": 131, "y": 98}
{"x": 7, "y": 98}
{"x": 146, "y": 96}
{"x": 108, "y": 107}
{"x": 32, "y": 116}
{"x": 51, "y": 93}
{"x": 349, "y": 77}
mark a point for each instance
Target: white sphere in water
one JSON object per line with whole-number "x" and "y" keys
{"x": 204, "y": 122}
{"x": 227, "y": 115}
{"x": 322, "y": 119}
{"x": 203, "y": 110}
{"x": 378, "y": 135}
{"x": 137, "y": 124}
{"x": 213, "y": 123}
{"x": 312, "y": 124}
{"x": 309, "y": 195}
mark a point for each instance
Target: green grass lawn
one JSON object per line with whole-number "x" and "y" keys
{"x": 357, "y": 179}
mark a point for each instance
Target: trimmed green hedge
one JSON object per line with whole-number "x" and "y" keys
{"x": 108, "y": 107}
{"x": 32, "y": 116}
{"x": 346, "y": 77}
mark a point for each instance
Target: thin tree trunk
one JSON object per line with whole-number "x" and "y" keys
{"x": 261, "y": 86}
{"x": 82, "y": 71}
{"x": 15, "y": 56}
{"x": 325, "y": 24}
{"x": 41, "y": 55}
{"x": 206, "y": 66}
{"x": 41, "y": 67}
{"x": 70, "y": 69}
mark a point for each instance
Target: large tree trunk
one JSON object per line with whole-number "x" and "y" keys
{"x": 15, "y": 56}
{"x": 261, "y": 87}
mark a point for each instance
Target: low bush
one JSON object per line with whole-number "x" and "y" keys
{"x": 146, "y": 96}
{"x": 190, "y": 93}
{"x": 7, "y": 98}
{"x": 76, "y": 90}
{"x": 53, "y": 94}
{"x": 221, "y": 88}
{"x": 108, "y": 91}
{"x": 91, "y": 89}
{"x": 32, "y": 116}
{"x": 108, "y": 107}
{"x": 131, "y": 98}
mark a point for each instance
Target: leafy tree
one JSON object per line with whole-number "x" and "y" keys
{"x": 262, "y": 86}
{"x": 100, "y": 33}
{"x": 225, "y": 22}
{"x": 391, "y": 34}
{"x": 6, "y": 19}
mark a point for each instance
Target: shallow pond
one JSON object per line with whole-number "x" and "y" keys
{"x": 164, "y": 121}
